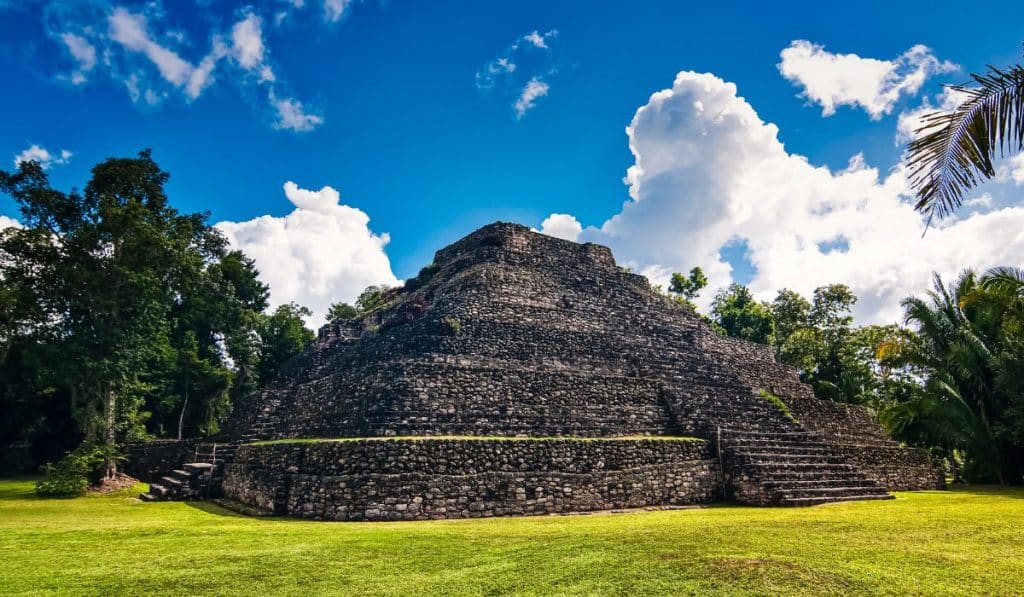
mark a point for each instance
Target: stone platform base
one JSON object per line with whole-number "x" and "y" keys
{"x": 435, "y": 478}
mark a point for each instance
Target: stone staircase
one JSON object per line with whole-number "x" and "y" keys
{"x": 198, "y": 479}
{"x": 767, "y": 457}
{"x": 794, "y": 468}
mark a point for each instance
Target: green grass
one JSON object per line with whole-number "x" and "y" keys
{"x": 428, "y": 438}
{"x": 956, "y": 542}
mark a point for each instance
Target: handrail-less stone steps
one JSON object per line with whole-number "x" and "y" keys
{"x": 790, "y": 468}
{"x": 197, "y": 479}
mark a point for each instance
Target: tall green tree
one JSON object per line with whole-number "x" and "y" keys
{"x": 104, "y": 267}
{"x": 740, "y": 315}
{"x": 791, "y": 312}
{"x": 283, "y": 335}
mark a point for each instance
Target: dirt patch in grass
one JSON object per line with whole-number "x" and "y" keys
{"x": 117, "y": 483}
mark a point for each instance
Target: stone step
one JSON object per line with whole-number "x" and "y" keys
{"x": 814, "y": 501}
{"x": 811, "y": 475}
{"x": 794, "y": 448}
{"x": 808, "y": 492}
{"x": 769, "y": 459}
{"x": 783, "y": 484}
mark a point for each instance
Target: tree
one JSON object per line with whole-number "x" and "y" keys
{"x": 283, "y": 335}
{"x": 736, "y": 311}
{"x": 340, "y": 311}
{"x": 956, "y": 150}
{"x": 970, "y": 355}
{"x": 791, "y": 312}
{"x": 372, "y": 298}
{"x": 103, "y": 267}
{"x": 819, "y": 340}
{"x": 117, "y": 311}
{"x": 687, "y": 288}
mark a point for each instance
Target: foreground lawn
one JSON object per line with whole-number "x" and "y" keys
{"x": 956, "y": 542}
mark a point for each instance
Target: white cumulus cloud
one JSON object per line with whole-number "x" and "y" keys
{"x": 319, "y": 253}
{"x": 37, "y": 153}
{"x": 709, "y": 172}
{"x": 833, "y": 80}
{"x": 562, "y": 226}
{"x": 6, "y": 222}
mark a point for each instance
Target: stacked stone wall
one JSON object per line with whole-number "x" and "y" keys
{"x": 422, "y": 479}
{"x": 148, "y": 461}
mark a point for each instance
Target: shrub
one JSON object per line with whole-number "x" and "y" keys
{"x": 452, "y": 325}
{"x": 72, "y": 475}
{"x": 422, "y": 278}
{"x": 779, "y": 404}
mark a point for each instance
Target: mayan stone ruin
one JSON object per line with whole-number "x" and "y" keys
{"x": 523, "y": 374}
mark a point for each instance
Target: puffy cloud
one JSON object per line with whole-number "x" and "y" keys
{"x": 521, "y": 70}
{"x": 709, "y": 172}
{"x": 292, "y": 115}
{"x": 912, "y": 123}
{"x": 534, "y": 89}
{"x": 36, "y": 153}
{"x": 875, "y": 85}
{"x": 84, "y": 54}
{"x": 247, "y": 40}
{"x": 6, "y": 222}
{"x": 1012, "y": 170}
{"x": 561, "y": 226}
{"x": 320, "y": 253}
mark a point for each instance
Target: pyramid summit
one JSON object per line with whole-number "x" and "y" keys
{"x": 525, "y": 374}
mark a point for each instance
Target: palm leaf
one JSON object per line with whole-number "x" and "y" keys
{"x": 955, "y": 151}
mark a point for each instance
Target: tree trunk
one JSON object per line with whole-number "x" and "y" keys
{"x": 181, "y": 417}
{"x": 954, "y": 468}
{"x": 109, "y": 433}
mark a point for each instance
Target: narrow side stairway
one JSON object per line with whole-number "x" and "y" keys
{"x": 199, "y": 479}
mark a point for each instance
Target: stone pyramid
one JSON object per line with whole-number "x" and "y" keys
{"x": 519, "y": 361}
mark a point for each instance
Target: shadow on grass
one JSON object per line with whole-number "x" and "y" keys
{"x": 1005, "y": 491}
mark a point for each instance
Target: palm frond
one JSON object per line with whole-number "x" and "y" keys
{"x": 955, "y": 151}
{"x": 1004, "y": 280}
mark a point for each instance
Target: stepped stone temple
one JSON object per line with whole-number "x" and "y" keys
{"x": 523, "y": 374}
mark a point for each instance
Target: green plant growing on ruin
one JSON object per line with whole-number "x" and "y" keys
{"x": 340, "y": 312}
{"x": 425, "y": 275}
{"x": 452, "y": 325}
{"x": 778, "y": 403}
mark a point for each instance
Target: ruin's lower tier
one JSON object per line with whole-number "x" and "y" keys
{"x": 433, "y": 478}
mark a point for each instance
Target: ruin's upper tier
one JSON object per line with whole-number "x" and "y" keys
{"x": 517, "y": 333}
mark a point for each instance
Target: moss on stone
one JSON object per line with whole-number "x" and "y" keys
{"x": 778, "y": 402}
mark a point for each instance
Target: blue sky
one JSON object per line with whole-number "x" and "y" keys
{"x": 401, "y": 125}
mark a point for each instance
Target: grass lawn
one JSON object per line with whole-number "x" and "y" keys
{"x": 956, "y": 542}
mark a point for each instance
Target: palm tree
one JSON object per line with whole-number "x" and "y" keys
{"x": 955, "y": 151}
{"x": 961, "y": 350}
